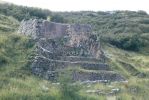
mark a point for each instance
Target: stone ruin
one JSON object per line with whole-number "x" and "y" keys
{"x": 61, "y": 46}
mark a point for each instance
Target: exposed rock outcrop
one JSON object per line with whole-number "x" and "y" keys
{"x": 61, "y": 46}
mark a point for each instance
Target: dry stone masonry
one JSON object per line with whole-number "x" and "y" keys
{"x": 61, "y": 46}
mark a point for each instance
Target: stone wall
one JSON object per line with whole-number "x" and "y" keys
{"x": 45, "y": 29}
{"x": 63, "y": 38}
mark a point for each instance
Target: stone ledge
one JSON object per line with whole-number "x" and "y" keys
{"x": 59, "y": 64}
{"x": 92, "y": 76}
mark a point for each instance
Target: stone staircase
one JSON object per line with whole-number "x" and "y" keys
{"x": 100, "y": 76}
{"x": 84, "y": 68}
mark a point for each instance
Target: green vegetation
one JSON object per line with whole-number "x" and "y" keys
{"x": 20, "y": 12}
{"x": 131, "y": 42}
{"x": 110, "y": 22}
{"x": 8, "y": 24}
{"x": 58, "y": 18}
{"x": 134, "y": 66}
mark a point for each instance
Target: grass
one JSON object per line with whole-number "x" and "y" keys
{"x": 138, "y": 61}
{"x": 8, "y": 24}
{"x": 128, "y": 63}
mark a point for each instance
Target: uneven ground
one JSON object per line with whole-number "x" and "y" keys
{"x": 17, "y": 82}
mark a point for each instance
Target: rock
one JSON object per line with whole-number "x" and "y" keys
{"x": 115, "y": 90}
{"x": 44, "y": 88}
{"x": 99, "y": 92}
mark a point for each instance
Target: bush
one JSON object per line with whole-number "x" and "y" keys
{"x": 21, "y": 12}
{"x": 3, "y": 60}
{"x": 58, "y": 18}
{"x": 131, "y": 42}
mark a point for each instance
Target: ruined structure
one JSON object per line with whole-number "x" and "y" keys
{"x": 60, "y": 46}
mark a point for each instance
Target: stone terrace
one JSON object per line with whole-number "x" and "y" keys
{"x": 61, "y": 46}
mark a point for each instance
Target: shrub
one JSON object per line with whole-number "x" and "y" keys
{"x": 131, "y": 42}
{"x": 58, "y": 18}
{"x": 3, "y": 60}
{"x": 21, "y": 12}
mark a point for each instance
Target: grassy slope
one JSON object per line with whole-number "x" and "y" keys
{"x": 106, "y": 22}
{"x": 16, "y": 82}
{"x": 7, "y": 24}
{"x": 131, "y": 60}
{"x": 14, "y": 50}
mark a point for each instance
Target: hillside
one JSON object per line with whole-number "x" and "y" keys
{"x": 21, "y": 12}
{"x": 114, "y": 29}
{"x": 112, "y": 21}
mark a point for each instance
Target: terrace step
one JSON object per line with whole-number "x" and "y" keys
{"x": 85, "y": 76}
{"x": 60, "y": 64}
{"x": 79, "y": 58}
{"x": 97, "y": 76}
